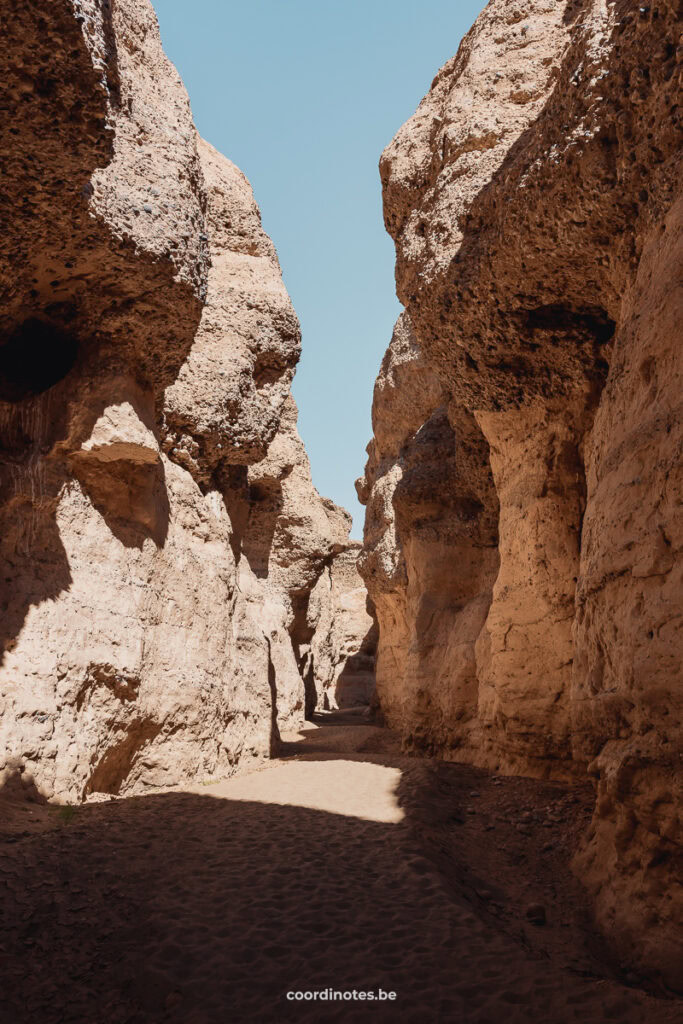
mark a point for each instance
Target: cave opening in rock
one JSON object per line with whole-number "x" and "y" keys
{"x": 34, "y": 358}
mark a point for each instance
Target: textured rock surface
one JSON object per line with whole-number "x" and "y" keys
{"x": 344, "y": 642}
{"x": 430, "y": 557}
{"x": 160, "y": 531}
{"x": 534, "y": 202}
{"x": 290, "y": 536}
{"x": 247, "y": 342}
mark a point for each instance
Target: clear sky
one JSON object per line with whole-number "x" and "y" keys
{"x": 303, "y": 95}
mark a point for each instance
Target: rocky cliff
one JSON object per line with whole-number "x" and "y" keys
{"x": 344, "y": 638}
{"x": 160, "y": 534}
{"x": 523, "y": 531}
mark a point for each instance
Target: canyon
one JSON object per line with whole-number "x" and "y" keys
{"x": 467, "y": 728}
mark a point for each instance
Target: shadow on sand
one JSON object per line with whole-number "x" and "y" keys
{"x": 184, "y": 907}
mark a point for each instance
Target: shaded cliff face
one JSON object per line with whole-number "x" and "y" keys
{"x": 534, "y": 199}
{"x": 430, "y": 557}
{"x": 160, "y": 532}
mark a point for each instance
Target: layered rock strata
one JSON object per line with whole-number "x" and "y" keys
{"x": 160, "y": 532}
{"x": 535, "y": 202}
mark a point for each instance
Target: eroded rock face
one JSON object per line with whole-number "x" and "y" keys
{"x": 290, "y": 536}
{"x": 227, "y": 400}
{"x": 344, "y": 641}
{"x": 430, "y": 556}
{"x": 534, "y": 199}
{"x": 160, "y": 532}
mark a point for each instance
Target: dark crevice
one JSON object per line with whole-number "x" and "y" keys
{"x": 35, "y": 358}
{"x": 272, "y": 685}
{"x": 594, "y": 322}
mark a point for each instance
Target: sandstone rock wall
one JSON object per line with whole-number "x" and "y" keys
{"x": 535, "y": 202}
{"x": 160, "y": 534}
{"x": 430, "y": 556}
{"x": 344, "y": 641}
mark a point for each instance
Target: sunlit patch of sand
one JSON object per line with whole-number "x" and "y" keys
{"x": 353, "y": 788}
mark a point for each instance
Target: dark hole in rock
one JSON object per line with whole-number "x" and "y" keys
{"x": 592, "y": 322}
{"x": 34, "y": 358}
{"x": 258, "y": 494}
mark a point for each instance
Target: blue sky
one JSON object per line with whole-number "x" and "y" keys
{"x": 303, "y": 95}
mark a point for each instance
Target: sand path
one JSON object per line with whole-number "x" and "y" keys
{"x": 341, "y": 865}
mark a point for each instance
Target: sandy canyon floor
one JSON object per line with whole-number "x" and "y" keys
{"x": 342, "y": 865}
